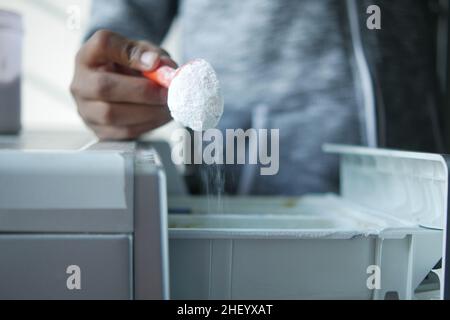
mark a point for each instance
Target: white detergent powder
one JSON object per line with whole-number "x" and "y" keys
{"x": 195, "y": 99}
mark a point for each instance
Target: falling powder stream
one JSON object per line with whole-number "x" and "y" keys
{"x": 214, "y": 181}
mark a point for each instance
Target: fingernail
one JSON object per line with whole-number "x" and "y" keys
{"x": 168, "y": 60}
{"x": 148, "y": 59}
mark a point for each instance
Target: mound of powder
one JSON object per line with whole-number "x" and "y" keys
{"x": 195, "y": 99}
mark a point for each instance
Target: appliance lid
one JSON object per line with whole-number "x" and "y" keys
{"x": 410, "y": 186}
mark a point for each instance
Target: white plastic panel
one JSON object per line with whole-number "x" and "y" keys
{"x": 409, "y": 186}
{"x": 50, "y": 180}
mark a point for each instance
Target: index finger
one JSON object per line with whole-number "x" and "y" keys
{"x": 106, "y": 46}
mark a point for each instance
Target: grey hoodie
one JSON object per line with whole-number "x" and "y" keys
{"x": 310, "y": 68}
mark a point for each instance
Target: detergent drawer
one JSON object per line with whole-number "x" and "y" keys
{"x": 297, "y": 264}
{"x": 65, "y": 267}
{"x": 313, "y": 247}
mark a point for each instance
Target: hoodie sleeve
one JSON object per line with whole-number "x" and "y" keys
{"x": 138, "y": 19}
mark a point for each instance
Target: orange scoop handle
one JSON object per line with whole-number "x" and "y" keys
{"x": 162, "y": 76}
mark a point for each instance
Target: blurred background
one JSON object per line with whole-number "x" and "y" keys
{"x": 53, "y": 32}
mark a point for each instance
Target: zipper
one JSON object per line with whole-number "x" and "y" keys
{"x": 365, "y": 78}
